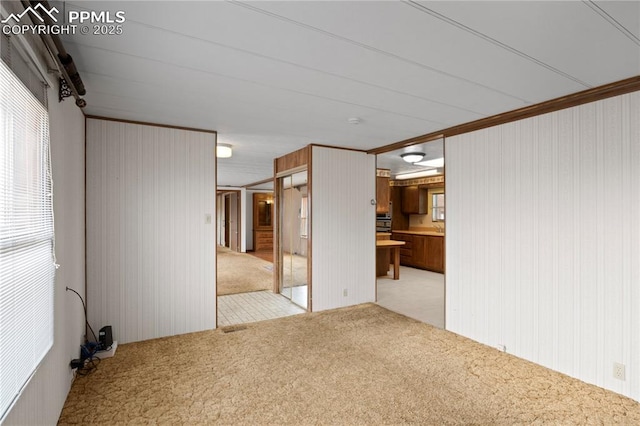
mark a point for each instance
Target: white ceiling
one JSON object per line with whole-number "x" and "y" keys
{"x": 272, "y": 77}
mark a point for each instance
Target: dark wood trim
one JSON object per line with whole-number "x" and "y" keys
{"x": 215, "y": 234}
{"x": 309, "y": 230}
{"x": 429, "y": 137}
{"x": 339, "y": 147}
{"x": 143, "y": 123}
{"x": 277, "y": 265}
{"x": 292, "y": 160}
{"x": 617, "y": 88}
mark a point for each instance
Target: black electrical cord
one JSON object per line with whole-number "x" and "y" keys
{"x": 85, "y": 313}
{"x": 90, "y": 365}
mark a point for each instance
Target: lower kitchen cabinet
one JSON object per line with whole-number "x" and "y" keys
{"x": 434, "y": 261}
{"x": 421, "y": 251}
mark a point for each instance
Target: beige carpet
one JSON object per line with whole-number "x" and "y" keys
{"x": 242, "y": 273}
{"x": 362, "y": 365}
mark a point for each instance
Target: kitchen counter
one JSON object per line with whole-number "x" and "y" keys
{"x": 382, "y": 257}
{"x": 424, "y": 248}
{"x": 430, "y": 233}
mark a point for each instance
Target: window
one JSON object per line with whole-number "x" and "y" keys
{"x": 303, "y": 217}
{"x": 437, "y": 207}
{"x": 26, "y": 237}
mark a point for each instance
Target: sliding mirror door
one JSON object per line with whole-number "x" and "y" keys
{"x": 293, "y": 237}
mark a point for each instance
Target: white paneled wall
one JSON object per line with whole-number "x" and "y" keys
{"x": 343, "y": 228}
{"x": 43, "y": 398}
{"x": 150, "y": 251}
{"x": 543, "y": 239}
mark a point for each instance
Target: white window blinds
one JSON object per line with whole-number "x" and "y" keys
{"x": 26, "y": 237}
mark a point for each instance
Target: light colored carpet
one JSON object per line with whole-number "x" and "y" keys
{"x": 242, "y": 273}
{"x": 362, "y": 365}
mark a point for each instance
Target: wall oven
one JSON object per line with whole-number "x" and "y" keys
{"x": 383, "y": 221}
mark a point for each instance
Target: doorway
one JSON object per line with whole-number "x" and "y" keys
{"x": 293, "y": 237}
{"x": 229, "y": 220}
{"x": 417, "y": 215}
{"x": 244, "y": 281}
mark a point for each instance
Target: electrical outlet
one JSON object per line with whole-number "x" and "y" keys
{"x": 345, "y": 293}
{"x": 207, "y": 219}
{"x": 501, "y": 348}
{"x": 618, "y": 371}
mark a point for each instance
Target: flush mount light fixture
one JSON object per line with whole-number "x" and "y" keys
{"x": 412, "y": 157}
{"x": 223, "y": 150}
{"x": 436, "y": 162}
{"x": 420, "y": 174}
{"x": 354, "y": 120}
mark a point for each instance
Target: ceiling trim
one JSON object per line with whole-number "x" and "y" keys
{"x": 145, "y": 123}
{"x": 617, "y": 88}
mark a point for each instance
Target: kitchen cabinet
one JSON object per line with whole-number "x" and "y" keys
{"x": 421, "y": 251}
{"x": 420, "y": 254}
{"x": 414, "y": 200}
{"x": 399, "y": 220}
{"x": 406, "y": 250}
{"x": 383, "y": 194}
{"x": 434, "y": 261}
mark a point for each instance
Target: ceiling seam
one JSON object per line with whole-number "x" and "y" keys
{"x": 282, "y": 61}
{"x": 493, "y": 41}
{"x": 259, "y": 84}
{"x": 611, "y": 20}
{"x": 374, "y": 49}
{"x": 249, "y": 52}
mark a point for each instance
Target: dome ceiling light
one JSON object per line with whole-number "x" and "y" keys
{"x": 223, "y": 150}
{"x": 412, "y": 157}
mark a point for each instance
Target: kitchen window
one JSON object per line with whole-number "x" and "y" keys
{"x": 437, "y": 209}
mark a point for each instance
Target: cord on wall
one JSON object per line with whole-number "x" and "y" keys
{"x": 84, "y": 307}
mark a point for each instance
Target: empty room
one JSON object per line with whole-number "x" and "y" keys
{"x": 319, "y": 212}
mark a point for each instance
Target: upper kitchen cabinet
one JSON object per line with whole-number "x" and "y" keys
{"x": 414, "y": 200}
{"x": 382, "y": 190}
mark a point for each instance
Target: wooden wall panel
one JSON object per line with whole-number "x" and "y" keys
{"x": 292, "y": 160}
{"x": 543, "y": 239}
{"x": 150, "y": 251}
{"x": 343, "y": 227}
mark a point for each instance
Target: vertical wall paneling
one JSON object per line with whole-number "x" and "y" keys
{"x": 150, "y": 250}
{"x": 543, "y": 239}
{"x": 343, "y": 228}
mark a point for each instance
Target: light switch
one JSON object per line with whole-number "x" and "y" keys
{"x": 207, "y": 218}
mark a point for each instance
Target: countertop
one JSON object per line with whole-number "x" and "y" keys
{"x": 389, "y": 243}
{"x": 430, "y": 233}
